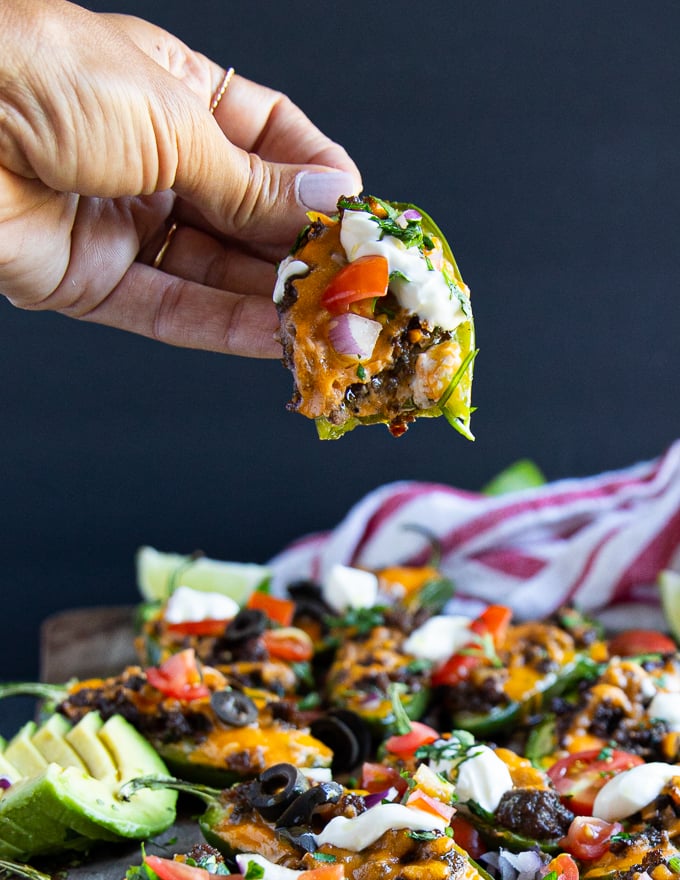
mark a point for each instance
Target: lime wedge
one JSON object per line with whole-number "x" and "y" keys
{"x": 158, "y": 574}
{"x": 522, "y": 474}
{"x": 669, "y": 590}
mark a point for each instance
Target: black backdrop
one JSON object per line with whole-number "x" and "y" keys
{"x": 542, "y": 136}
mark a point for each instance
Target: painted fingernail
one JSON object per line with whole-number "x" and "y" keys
{"x": 320, "y": 190}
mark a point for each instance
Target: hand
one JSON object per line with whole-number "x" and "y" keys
{"x": 105, "y": 131}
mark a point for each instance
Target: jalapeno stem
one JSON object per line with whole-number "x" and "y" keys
{"x": 56, "y": 692}
{"x": 21, "y": 870}
{"x": 205, "y": 792}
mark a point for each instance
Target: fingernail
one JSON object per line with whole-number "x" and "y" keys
{"x": 320, "y": 190}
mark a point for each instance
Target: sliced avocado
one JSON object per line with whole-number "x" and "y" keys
{"x": 50, "y": 741}
{"x": 59, "y": 808}
{"x": 21, "y": 752}
{"x": 22, "y": 818}
{"x": 84, "y": 738}
{"x": 8, "y": 770}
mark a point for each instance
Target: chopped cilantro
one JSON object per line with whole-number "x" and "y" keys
{"x": 324, "y": 857}
{"x": 422, "y": 835}
{"x": 303, "y": 672}
{"x": 363, "y": 620}
{"x": 398, "y": 274}
{"x": 361, "y": 372}
{"x": 455, "y": 748}
{"x": 418, "y": 665}
{"x": 310, "y": 701}
{"x": 254, "y": 871}
{"x": 620, "y": 837}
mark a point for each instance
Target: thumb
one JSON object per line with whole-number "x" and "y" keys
{"x": 245, "y": 196}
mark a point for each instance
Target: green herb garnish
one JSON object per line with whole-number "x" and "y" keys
{"x": 254, "y": 871}
{"x": 402, "y": 723}
{"x": 363, "y": 620}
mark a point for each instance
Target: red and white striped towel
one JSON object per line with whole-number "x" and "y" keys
{"x": 598, "y": 541}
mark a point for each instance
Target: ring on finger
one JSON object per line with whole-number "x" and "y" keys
{"x": 158, "y": 259}
{"x": 221, "y": 89}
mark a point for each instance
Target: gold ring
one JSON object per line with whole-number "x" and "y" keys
{"x": 219, "y": 94}
{"x": 217, "y": 97}
{"x": 158, "y": 259}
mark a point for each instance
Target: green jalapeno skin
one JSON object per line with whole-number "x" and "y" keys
{"x": 520, "y": 711}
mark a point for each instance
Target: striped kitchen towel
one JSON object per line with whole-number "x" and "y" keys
{"x": 598, "y": 541}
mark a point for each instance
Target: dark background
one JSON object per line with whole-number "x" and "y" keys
{"x": 542, "y": 136}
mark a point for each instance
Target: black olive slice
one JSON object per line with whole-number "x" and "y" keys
{"x": 248, "y": 624}
{"x": 276, "y": 788}
{"x": 360, "y": 730}
{"x": 233, "y": 707}
{"x": 340, "y": 738}
{"x": 300, "y": 811}
{"x": 308, "y": 589}
{"x": 301, "y": 837}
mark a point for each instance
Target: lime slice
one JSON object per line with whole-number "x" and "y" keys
{"x": 669, "y": 590}
{"x": 158, "y": 574}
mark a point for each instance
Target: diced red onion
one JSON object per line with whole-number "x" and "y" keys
{"x": 412, "y": 214}
{"x": 389, "y": 794}
{"x": 351, "y": 334}
{"x": 519, "y": 866}
{"x": 5, "y": 782}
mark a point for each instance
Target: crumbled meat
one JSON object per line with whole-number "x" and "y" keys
{"x": 534, "y": 812}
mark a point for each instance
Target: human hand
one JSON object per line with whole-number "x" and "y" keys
{"x": 105, "y": 130}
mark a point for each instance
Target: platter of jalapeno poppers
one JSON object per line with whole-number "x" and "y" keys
{"x": 349, "y": 728}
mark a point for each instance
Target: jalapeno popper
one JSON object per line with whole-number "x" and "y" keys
{"x": 376, "y": 323}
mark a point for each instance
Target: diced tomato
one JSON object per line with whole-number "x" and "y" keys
{"x": 178, "y": 677}
{"x": 466, "y": 836}
{"x": 208, "y": 627}
{"x": 564, "y": 866}
{"x": 580, "y": 776}
{"x": 289, "y": 643}
{"x": 640, "y": 641}
{"x": 365, "y": 278}
{"x": 405, "y": 744}
{"x": 588, "y": 838}
{"x": 329, "y": 871}
{"x": 379, "y": 777}
{"x": 456, "y": 669}
{"x": 493, "y": 621}
{"x": 169, "y": 869}
{"x": 419, "y": 800}
{"x": 280, "y": 611}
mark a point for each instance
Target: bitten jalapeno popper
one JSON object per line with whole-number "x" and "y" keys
{"x": 376, "y": 322}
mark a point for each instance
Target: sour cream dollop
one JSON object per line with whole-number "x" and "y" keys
{"x": 631, "y": 790}
{"x": 361, "y": 831}
{"x": 288, "y": 268}
{"x": 187, "y": 606}
{"x": 439, "y": 637}
{"x": 423, "y": 291}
